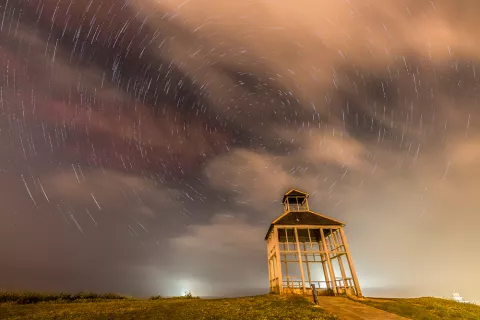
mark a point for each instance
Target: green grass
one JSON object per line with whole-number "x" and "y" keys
{"x": 264, "y": 307}
{"x": 427, "y": 308}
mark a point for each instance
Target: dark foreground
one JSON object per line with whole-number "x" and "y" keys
{"x": 248, "y": 308}
{"x": 265, "y": 307}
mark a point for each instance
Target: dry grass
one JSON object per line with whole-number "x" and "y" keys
{"x": 35, "y": 297}
{"x": 16, "y": 306}
{"x": 249, "y": 308}
{"x": 427, "y": 308}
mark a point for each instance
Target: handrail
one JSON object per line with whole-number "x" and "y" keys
{"x": 297, "y": 284}
{"x": 294, "y": 207}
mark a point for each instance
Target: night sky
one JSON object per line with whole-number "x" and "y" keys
{"x": 145, "y": 145}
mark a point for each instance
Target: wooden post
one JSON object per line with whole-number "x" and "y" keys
{"x": 331, "y": 252}
{"x": 325, "y": 273}
{"x": 339, "y": 259}
{"x": 275, "y": 273}
{"x": 341, "y": 245}
{"x": 329, "y": 262}
{"x": 278, "y": 264}
{"x": 269, "y": 266}
{"x": 300, "y": 259}
{"x": 306, "y": 262}
{"x": 272, "y": 275}
{"x": 350, "y": 263}
{"x": 286, "y": 263}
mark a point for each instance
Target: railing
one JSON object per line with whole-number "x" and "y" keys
{"x": 348, "y": 283}
{"x": 321, "y": 284}
{"x": 297, "y": 284}
{"x": 291, "y": 285}
{"x": 295, "y": 207}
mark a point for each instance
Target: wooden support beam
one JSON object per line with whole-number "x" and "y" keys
{"x": 323, "y": 260}
{"x": 325, "y": 273}
{"x": 300, "y": 259}
{"x": 309, "y": 239}
{"x": 272, "y": 277}
{"x": 331, "y": 254}
{"x": 278, "y": 264}
{"x": 340, "y": 263}
{"x": 286, "y": 264}
{"x": 329, "y": 262}
{"x": 350, "y": 264}
{"x": 269, "y": 266}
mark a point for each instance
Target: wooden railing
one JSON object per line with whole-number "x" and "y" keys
{"x": 295, "y": 207}
{"x": 320, "y": 285}
{"x": 348, "y": 283}
{"x": 297, "y": 284}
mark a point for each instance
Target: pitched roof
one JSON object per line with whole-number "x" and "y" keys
{"x": 292, "y": 218}
{"x": 295, "y": 192}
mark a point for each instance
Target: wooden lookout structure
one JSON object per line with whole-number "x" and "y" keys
{"x": 306, "y": 248}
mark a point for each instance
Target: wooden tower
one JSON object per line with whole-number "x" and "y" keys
{"x": 305, "y": 248}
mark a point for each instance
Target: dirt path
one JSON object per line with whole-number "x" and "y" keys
{"x": 347, "y": 309}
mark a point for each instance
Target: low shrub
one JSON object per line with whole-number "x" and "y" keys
{"x": 34, "y": 297}
{"x": 187, "y": 295}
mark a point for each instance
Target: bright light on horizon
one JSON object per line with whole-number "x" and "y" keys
{"x": 183, "y": 286}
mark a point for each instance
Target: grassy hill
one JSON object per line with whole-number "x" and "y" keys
{"x": 110, "y": 306}
{"x": 266, "y": 307}
{"x": 427, "y": 308}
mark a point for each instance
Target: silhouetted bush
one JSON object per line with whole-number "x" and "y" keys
{"x": 187, "y": 295}
{"x": 35, "y": 297}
